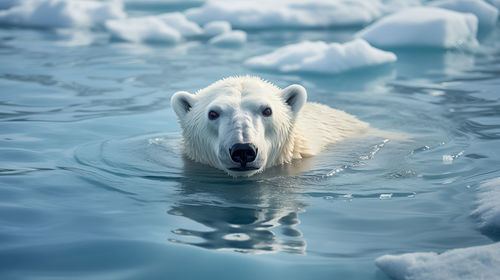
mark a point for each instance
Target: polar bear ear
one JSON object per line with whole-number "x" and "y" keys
{"x": 182, "y": 102}
{"x": 295, "y": 96}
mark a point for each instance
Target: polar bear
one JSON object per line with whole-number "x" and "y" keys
{"x": 243, "y": 125}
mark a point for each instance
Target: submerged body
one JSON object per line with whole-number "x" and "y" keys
{"x": 244, "y": 125}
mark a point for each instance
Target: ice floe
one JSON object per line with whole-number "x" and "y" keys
{"x": 480, "y": 262}
{"x": 230, "y": 39}
{"x": 143, "y": 29}
{"x": 488, "y": 209}
{"x": 61, "y": 13}
{"x": 292, "y": 13}
{"x": 169, "y": 28}
{"x": 180, "y": 23}
{"x": 215, "y": 28}
{"x": 486, "y": 13}
{"x": 322, "y": 57}
{"x": 423, "y": 27}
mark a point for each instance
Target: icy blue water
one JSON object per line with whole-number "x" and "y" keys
{"x": 93, "y": 184}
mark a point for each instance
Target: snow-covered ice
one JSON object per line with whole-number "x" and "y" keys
{"x": 423, "y": 27}
{"x": 292, "y": 13}
{"x": 61, "y": 13}
{"x": 144, "y": 29}
{"x": 322, "y": 57}
{"x": 480, "y": 262}
{"x": 230, "y": 39}
{"x": 486, "y": 13}
{"x": 215, "y": 28}
{"x": 170, "y": 28}
{"x": 180, "y": 23}
{"x": 488, "y": 208}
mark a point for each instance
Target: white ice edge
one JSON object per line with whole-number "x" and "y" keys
{"x": 488, "y": 205}
{"x": 477, "y": 262}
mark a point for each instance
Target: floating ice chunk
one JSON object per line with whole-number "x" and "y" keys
{"x": 144, "y": 29}
{"x": 291, "y": 13}
{"x": 486, "y": 13}
{"x": 215, "y": 28}
{"x": 62, "y": 13}
{"x": 169, "y": 27}
{"x": 447, "y": 159}
{"x": 386, "y": 196}
{"x": 322, "y": 57}
{"x": 423, "y": 27}
{"x": 480, "y": 262}
{"x": 488, "y": 209}
{"x": 230, "y": 39}
{"x": 180, "y": 23}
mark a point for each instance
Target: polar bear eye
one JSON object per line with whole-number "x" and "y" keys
{"x": 267, "y": 112}
{"x": 212, "y": 115}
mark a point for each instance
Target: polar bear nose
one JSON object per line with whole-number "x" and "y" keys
{"x": 243, "y": 153}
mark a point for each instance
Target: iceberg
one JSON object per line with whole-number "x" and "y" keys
{"x": 488, "y": 205}
{"x": 293, "y": 13}
{"x": 322, "y": 57}
{"x": 486, "y": 13}
{"x": 479, "y": 262}
{"x": 229, "y": 39}
{"x": 423, "y": 27}
{"x": 61, "y": 13}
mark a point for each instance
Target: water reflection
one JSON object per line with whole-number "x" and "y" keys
{"x": 244, "y": 215}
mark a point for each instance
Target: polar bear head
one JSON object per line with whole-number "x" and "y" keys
{"x": 240, "y": 124}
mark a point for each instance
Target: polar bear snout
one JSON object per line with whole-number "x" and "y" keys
{"x": 243, "y": 153}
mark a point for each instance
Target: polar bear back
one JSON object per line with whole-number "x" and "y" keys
{"x": 318, "y": 125}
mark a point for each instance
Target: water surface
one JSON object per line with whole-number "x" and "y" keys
{"x": 93, "y": 184}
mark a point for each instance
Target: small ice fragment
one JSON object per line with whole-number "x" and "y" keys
{"x": 412, "y": 195}
{"x": 385, "y": 196}
{"x": 347, "y": 195}
{"x": 447, "y": 159}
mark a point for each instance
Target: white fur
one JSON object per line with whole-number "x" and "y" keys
{"x": 295, "y": 129}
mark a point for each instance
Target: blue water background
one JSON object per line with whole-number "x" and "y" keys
{"x": 93, "y": 184}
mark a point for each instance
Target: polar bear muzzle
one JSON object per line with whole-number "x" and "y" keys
{"x": 242, "y": 154}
